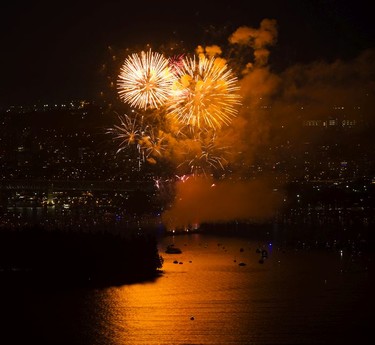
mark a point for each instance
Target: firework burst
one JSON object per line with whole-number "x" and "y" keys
{"x": 176, "y": 62}
{"x": 145, "y": 80}
{"x": 205, "y": 93}
{"x": 153, "y": 144}
{"x": 205, "y": 155}
{"x": 129, "y": 132}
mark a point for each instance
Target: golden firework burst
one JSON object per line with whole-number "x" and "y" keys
{"x": 145, "y": 80}
{"x": 205, "y": 93}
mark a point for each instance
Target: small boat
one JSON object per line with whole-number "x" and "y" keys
{"x": 171, "y": 249}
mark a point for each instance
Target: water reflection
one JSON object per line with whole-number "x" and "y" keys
{"x": 205, "y": 286}
{"x": 293, "y": 297}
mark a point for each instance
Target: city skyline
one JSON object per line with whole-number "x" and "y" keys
{"x": 63, "y": 158}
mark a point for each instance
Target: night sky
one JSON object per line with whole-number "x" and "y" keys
{"x": 55, "y": 51}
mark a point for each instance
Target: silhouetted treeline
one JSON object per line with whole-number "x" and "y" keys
{"x": 98, "y": 258}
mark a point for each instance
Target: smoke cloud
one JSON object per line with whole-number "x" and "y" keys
{"x": 200, "y": 199}
{"x": 258, "y": 39}
{"x": 274, "y": 107}
{"x": 320, "y": 91}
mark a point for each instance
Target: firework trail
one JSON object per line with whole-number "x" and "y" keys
{"x": 145, "y": 80}
{"x": 204, "y": 93}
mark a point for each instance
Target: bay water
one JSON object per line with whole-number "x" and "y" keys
{"x": 219, "y": 290}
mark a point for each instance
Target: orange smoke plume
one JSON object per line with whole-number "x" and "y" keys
{"x": 200, "y": 200}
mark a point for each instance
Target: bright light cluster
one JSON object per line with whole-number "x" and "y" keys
{"x": 205, "y": 93}
{"x": 145, "y": 80}
{"x": 198, "y": 92}
{"x": 183, "y": 103}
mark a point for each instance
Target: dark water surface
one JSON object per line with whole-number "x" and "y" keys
{"x": 305, "y": 296}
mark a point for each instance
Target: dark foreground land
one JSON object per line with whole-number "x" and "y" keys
{"x": 35, "y": 255}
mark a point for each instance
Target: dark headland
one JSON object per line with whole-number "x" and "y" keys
{"x": 33, "y": 255}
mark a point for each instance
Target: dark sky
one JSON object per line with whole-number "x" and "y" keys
{"x": 54, "y": 51}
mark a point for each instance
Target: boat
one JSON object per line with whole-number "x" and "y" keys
{"x": 171, "y": 249}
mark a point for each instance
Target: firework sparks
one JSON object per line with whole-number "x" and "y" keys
{"x": 211, "y": 154}
{"x": 129, "y": 132}
{"x": 205, "y": 93}
{"x": 204, "y": 155}
{"x": 194, "y": 97}
{"x": 176, "y": 62}
{"x": 145, "y": 80}
{"x": 153, "y": 145}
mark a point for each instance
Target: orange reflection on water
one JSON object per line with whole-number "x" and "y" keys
{"x": 294, "y": 296}
{"x": 195, "y": 301}
{"x": 207, "y": 297}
